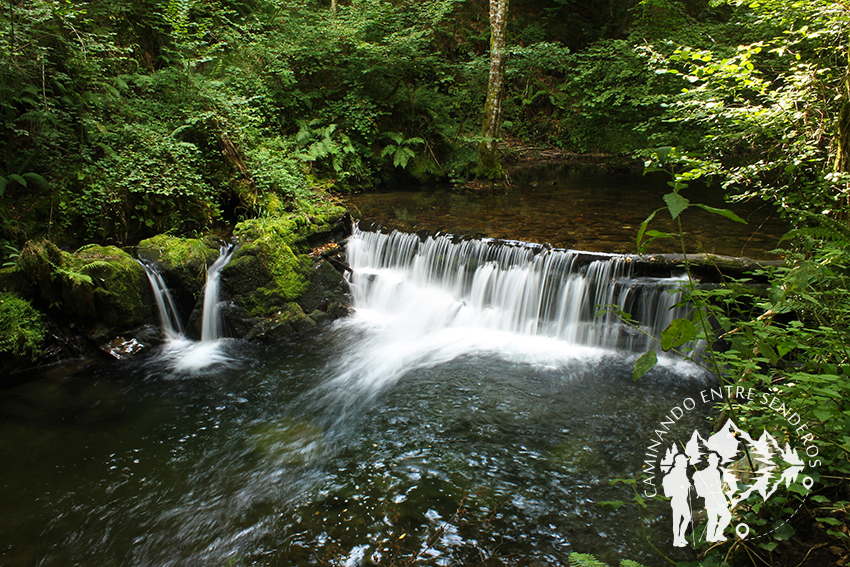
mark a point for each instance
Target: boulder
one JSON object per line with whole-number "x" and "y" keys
{"x": 183, "y": 263}
{"x": 276, "y": 279}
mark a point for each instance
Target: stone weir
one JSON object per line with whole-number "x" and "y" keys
{"x": 706, "y": 268}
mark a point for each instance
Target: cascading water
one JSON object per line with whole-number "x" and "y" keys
{"x": 168, "y": 316}
{"x": 431, "y": 300}
{"x": 180, "y": 353}
{"x": 211, "y": 320}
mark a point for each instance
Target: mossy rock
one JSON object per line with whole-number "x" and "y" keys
{"x": 39, "y": 262}
{"x": 275, "y": 283}
{"x": 11, "y": 279}
{"x": 265, "y": 275}
{"x": 115, "y": 290}
{"x": 297, "y": 230}
{"x": 183, "y": 263}
{"x": 101, "y": 283}
{"x": 270, "y": 268}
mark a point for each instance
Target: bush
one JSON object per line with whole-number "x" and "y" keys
{"x": 21, "y": 329}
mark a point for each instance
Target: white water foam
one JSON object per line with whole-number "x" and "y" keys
{"x": 425, "y": 302}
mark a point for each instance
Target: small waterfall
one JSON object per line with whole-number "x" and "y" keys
{"x": 477, "y": 286}
{"x": 180, "y": 354}
{"x": 211, "y": 320}
{"x": 168, "y": 317}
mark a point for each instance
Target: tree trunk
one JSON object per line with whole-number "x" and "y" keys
{"x": 842, "y": 142}
{"x": 842, "y": 158}
{"x": 488, "y": 155}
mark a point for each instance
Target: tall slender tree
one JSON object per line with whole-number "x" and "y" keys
{"x": 488, "y": 155}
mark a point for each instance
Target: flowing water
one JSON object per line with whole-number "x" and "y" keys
{"x": 211, "y": 320}
{"x": 471, "y": 412}
{"x": 169, "y": 318}
{"x": 179, "y": 353}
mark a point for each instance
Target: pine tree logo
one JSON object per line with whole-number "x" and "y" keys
{"x": 723, "y": 471}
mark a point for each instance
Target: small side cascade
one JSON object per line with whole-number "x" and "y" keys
{"x": 211, "y": 320}
{"x": 168, "y": 316}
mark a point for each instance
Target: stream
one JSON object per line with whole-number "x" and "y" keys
{"x": 472, "y": 411}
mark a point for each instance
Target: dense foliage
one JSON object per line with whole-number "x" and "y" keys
{"x": 120, "y": 120}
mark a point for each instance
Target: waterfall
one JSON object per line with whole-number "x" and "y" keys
{"x": 168, "y": 317}
{"x": 181, "y": 355}
{"x": 211, "y": 320}
{"x": 521, "y": 289}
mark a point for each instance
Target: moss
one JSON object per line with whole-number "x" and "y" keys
{"x": 266, "y": 274}
{"x": 21, "y": 329}
{"x": 38, "y": 261}
{"x": 98, "y": 282}
{"x": 113, "y": 290}
{"x": 183, "y": 263}
{"x": 270, "y": 269}
{"x": 11, "y": 279}
{"x": 171, "y": 252}
{"x": 294, "y": 229}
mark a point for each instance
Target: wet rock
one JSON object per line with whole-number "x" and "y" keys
{"x": 183, "y": 263}
{"x": 122, "y": 347}
{"x": 275, "y": 277}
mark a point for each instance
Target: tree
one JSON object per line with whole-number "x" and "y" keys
{"x": 488, "y": 158}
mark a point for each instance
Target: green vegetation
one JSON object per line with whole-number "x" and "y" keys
{"x": 121, "y": 121}
{"x": 21, "y": 329}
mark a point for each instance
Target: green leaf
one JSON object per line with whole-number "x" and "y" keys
{"x": 644, "y": 364}
{"x": 722, "y": 212}
{"x": 643, "y": 226}
{"x": 663, "y": 153}
{"x": 18, "y": 179}
{"x": 676, "y": 204}
{"x": 677, "y": 333}
{"x": 769, "y": 546}
{"x": 585, "y": 560}
{"x": 394, "y": 136}
{"x": 821, "y": 414}
{"x": 783, "y": 532}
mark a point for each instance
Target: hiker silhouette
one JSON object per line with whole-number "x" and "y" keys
{"x": 708, "y": 484}
{"x": 677, "y": 486}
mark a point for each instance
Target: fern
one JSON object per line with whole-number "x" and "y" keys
{"x": 585, "y": 560}
{"x": 76, "y": 278}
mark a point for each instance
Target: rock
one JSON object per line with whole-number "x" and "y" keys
{"x": 183, "y": 263}
{"x": 275, "y": 278}
{"x": 101, "y": 283}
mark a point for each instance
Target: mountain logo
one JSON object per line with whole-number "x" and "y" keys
{"x": 722, "y": 471}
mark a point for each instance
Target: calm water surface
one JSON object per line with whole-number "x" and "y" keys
{"x": 581, "y": 208}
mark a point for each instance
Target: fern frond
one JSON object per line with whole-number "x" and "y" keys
{"x": 76, "y": 278}
{"x": 585, "y": 560}
{"x": 95, "y": 265}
